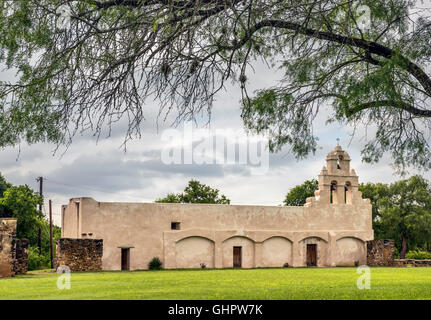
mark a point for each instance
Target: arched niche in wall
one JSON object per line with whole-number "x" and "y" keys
{"x": 193, "y": 251}
{"x": 276, "y": 252}
{"x": 350, "y": 251}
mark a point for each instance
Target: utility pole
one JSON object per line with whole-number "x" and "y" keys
{"x": 39, "y": 233}
{"x": 50, "y": 234}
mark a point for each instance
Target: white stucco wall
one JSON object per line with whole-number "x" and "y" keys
{"x": 269, "y": 235}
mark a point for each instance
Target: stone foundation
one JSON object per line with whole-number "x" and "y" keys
{"x": 411, "y": 263}
{"x": 80, "y": 254}
{"x": 380, "y": 252}
{"x": 13, "y": 252}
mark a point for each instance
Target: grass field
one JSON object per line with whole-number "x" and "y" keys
{"x": 286, "y": 283}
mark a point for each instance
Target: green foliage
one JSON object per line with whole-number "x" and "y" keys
{"x": 22, "y": 202}
{"x": 56, "y": 234}
{"x": 299, "y": 194}
{"x": 396, "y": 252}
{"x": 170, "y": 198}
{"x": 37, "y": 261}
{"x": 196, "y": 192}
{"x": 417, "y": 254}
{"x": 43, "y": 261}
{"x": 360, "y": 84}
{"x": 69, "y": 76}
{"x": 155, "y": 264}
{"x": 4, "y": 185}
{"x": 375, "y": 192}
{"x": 403, "y": 212}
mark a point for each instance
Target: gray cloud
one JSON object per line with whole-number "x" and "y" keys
{"x": 105, "y": 172}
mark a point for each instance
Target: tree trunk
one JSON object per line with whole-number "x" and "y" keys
{"x": 403, "y": 248}
{"x": 428, "y": 246}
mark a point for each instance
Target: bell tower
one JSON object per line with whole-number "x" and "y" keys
{"x": 338, "y": 184}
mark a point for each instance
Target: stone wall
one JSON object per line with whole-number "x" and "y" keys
{"x": 7, "y": 235}
{"x": 13, "y": 252}
{"x": 80, "y": 254}
{"x": 411, "y": 263}
{"x": 21, "y": 256}
{"x": 380, "y": 252}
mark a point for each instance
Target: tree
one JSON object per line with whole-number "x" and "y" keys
{"x": 4, "y": 185}
{"x": 196, "y": 192}
{"x": 375, "y": 192}
{"x": 85, "y": 64}
{"x": 22, "y": 202}
{"x": 170, "y": 198}
{"x": 406, "y": 210}
{"x": 298, "y": 195}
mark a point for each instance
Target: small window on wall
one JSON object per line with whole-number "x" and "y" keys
{"x": 175, "y": 225}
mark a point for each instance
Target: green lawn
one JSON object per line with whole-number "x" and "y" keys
{"x": 286, "y": 283}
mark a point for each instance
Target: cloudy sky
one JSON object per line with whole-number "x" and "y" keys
{"x": 103, "y": 170}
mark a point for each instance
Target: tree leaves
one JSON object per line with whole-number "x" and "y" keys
{"x": 22, "y": 202}
{"x": 196, "y": 192}
{"x": 405, "y": 209}
{"x": 115, "y": 55}
{"x": 298, "y": 195}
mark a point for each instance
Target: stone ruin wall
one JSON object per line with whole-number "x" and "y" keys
{"x": 7, "y": 234}
{"x": 13, "y": 252}
{"x": 80, "y": 254}
{"x": 411, "y": 263}
{"x": 21, "y": 256}
{"x": 380, "y": 252}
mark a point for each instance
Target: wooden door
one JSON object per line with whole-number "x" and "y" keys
{"x": 237, "y": 257}
{"x": 311, "y": 255}
{"x": 125, "y": 259}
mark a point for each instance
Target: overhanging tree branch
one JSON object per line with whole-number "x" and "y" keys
{"x": 115, "y": 55}
{"x": 369, "y": 46}
{"x": 388, "y": 103}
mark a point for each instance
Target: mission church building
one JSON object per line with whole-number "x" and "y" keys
{"x": 331, "y": 229}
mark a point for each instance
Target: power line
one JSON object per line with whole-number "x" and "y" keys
{"x": 80, "y": 187}
{"x": 83, "y": 188}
